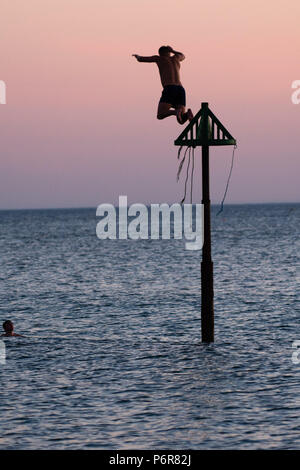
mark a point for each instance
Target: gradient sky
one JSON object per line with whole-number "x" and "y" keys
{"x": 79, "y": 127}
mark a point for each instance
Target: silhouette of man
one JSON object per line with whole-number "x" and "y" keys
{"x": 172, "y": 101}
{"x": 8, "y": 327}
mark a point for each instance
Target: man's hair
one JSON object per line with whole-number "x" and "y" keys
{"x": 163, "y": 49}
{"x": 7, "y": 322}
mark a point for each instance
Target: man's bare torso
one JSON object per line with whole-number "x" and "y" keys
{"x": 169, "y": 70}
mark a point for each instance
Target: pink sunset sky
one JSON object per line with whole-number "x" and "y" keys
{"x": 79, "y": 127}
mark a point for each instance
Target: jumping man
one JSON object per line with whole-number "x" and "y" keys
{"x": 172, "y": 101}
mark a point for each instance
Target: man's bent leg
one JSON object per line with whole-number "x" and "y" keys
{"x": 181, "y": 114}
{"x": 164, "y": 110}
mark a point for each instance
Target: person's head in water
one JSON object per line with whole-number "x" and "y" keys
{"x": 8, "y": 327}
{"x": 164, "y": 50}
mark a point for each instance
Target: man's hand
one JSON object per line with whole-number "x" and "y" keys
{"x": 177, "y": 53}
{"x": 140, "y": 58}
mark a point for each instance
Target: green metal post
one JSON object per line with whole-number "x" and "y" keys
{"x": 206, "y": 130}
{"x": 207, "y": 292}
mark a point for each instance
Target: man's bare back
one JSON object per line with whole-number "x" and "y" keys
{"x": 169, "y": 70}
{"x": 173, "y": 95}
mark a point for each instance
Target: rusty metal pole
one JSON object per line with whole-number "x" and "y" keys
{"x": 207, "y": 290}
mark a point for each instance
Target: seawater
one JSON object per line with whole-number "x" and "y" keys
{"x": 112, "y": 355}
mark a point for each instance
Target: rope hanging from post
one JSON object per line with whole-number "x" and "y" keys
{"x": 191, "y": 156}
{"x": 228, "y": 180}
{"x": 182, "y": 161}
{"x": 192, "y": 174}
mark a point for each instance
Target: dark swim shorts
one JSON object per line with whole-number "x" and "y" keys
{"x": 173, "y": 94}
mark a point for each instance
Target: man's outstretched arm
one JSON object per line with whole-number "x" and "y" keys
{"x": 139, "y": 58}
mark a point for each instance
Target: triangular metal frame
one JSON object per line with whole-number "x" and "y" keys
{"x": 205, "y": 129}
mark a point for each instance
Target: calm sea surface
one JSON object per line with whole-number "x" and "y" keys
{"x": 112, "y": 357}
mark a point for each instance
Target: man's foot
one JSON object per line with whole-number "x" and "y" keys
{"x": 179, "y": 116}
{"x": 189, "y": 114}
{"x": 184, "y": 118}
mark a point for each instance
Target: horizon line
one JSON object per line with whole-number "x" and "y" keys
{"x": 146, "y": 204}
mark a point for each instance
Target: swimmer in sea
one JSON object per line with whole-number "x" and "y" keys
{"x": 8, "y": 327}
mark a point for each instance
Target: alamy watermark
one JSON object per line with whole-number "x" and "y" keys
{"x": 295, "y": 97}
{"x": 2, "y": 353}
{"x": 157, "y": 221}
{"x": 2, "y": 92}
{"x": 296, "y": 353}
